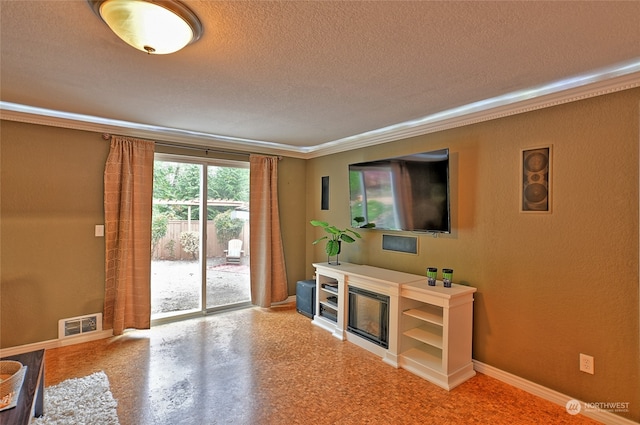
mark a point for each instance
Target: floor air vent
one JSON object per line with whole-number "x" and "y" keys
{"x": 80, "y": 325}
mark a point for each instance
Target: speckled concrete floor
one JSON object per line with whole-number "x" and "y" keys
{"x": 272, "y": 366}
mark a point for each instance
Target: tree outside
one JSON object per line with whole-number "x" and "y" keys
{"x": 175, "y": 182}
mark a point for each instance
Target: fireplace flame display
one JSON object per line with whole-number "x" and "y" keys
{"x": 369, "y": 315}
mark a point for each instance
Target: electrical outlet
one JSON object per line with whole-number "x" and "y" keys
{"x": 586, "y": 363}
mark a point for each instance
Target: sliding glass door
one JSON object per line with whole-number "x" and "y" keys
{"x": 227, "y": 272}
{"x": 200, "y": 245}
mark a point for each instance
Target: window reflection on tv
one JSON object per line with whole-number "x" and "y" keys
{"x": 403, "y": 193}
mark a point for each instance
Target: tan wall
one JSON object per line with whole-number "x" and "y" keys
{"x": 52, "y": 197}
{"x": 51, "y": 264}
{"x": 549, "y": 286}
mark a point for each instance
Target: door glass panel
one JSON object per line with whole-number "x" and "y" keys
{"x": 176, "y": 276}
{"x": 228, "y": 253}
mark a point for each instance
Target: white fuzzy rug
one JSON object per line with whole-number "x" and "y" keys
{"x": 79, "y": 401}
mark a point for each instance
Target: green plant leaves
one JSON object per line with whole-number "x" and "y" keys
{"x": 347, "y": 238}
{"x": 335, "y": 236}
{"x": 319, "y": 223}
{"x": 333, "y": 247}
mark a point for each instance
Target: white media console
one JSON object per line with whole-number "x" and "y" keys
{"x": 429, "y": 327}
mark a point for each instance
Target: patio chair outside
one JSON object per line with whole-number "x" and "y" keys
{"x": 234, "y": 252}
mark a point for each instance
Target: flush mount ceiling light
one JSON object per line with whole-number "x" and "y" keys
{"x": 157, "y": 27}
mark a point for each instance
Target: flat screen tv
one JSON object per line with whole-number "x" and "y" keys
{"x": 402, "y": 193}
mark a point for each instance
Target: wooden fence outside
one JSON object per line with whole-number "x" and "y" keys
{"x": 169, "y": 247}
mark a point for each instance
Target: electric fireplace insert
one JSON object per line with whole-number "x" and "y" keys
{"x": 369, "y": 316}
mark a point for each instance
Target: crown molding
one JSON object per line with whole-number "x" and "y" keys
{"x": 486, "y": 110}
{"x": 47, "y": 117}
{"x": 569, "y": 90}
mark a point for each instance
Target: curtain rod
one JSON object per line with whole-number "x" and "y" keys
{"x": 107, "y": 136}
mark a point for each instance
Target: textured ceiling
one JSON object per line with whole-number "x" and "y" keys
{"x": 301, "y": 74}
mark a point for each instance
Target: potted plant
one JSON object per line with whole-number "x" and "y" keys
{"x": 334, "y": 239}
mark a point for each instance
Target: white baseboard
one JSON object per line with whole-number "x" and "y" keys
{"x": 55, "y": 343}
{"x": 549, "y": 394}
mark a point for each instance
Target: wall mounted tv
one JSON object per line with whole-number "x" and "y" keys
{"x": 402, "y": 193}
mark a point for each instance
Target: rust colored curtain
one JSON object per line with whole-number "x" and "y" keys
{"x": 268, "y": 273}
{"x": 128, "y": 197}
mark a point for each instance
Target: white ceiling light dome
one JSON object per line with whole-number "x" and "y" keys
{"x": 154, "y": 27}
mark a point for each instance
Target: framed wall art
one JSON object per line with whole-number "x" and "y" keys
{"x": 535, "y": 180}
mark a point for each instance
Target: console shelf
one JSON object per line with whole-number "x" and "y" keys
{"x": 430, "y": 327}
{"x": 426, "y": 314}
{"x": 426, "y": 336}
{"x": 420, "y": 358}
{"x": 329, "y": 301}
{"x": 437, "y": 326}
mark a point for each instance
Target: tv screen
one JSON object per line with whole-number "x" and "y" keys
{"x": 402, "y": 193}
